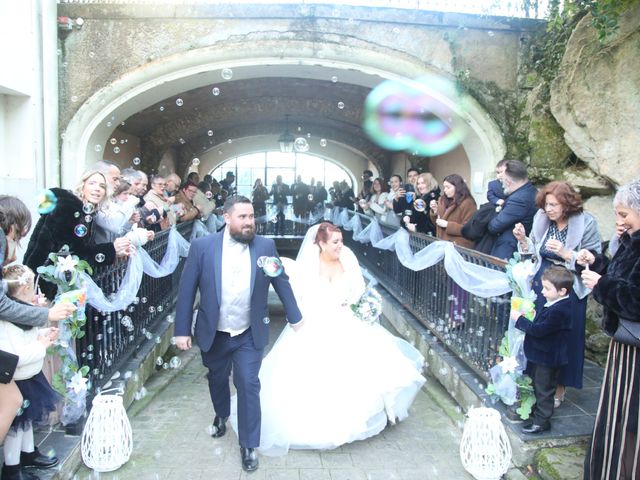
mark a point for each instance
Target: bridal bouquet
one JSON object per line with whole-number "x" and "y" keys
{"x": 369, "y": 306}
{"x": 509, "y": 384}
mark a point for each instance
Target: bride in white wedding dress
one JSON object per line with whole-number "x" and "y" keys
{"x": 337, "y": 379}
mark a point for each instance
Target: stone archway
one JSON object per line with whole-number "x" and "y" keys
{"x": 162, "y": 78}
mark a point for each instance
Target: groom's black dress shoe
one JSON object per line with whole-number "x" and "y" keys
{"x": 535, "y": 429}
{"x": 249, "y": 459}
{"x": 219, "y": 428}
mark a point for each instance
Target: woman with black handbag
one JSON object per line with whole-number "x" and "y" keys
{"x": 15, "y": 223}
{"x": 616, "y": 286}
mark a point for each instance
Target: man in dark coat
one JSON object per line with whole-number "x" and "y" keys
{"x": 519, "y": 207}
{"x": 279, "y": 192}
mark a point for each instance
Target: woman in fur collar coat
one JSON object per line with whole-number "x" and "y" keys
{"x": 616, "y": 286}
{"x": 561, "y": 228}
{"x": 71, "y": 223}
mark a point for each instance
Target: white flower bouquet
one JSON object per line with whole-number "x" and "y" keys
{"x": 369, "y": 306}
{"x": 508, "y": 381}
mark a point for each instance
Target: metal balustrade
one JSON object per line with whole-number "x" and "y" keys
{"x": 470, "y": 326}
{"x": 113, "y": 338}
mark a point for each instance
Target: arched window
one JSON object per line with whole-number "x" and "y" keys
{"x": 266, "y": 166}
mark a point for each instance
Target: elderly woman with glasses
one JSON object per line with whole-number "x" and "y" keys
{"x": 615, "y": 284}
{"x": 157, "y": 199}
{"x": 560, "y": 229}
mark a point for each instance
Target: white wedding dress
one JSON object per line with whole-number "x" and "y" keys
{"x": 337, "y": 379}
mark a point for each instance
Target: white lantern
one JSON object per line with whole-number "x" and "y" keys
{"x": 107, "y": 440}
{"x": 485, "y": 450}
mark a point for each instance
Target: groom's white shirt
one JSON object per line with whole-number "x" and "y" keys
{"x": 235, "y": 307}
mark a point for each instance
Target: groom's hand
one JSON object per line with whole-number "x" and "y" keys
{"x": 183, "y": 343}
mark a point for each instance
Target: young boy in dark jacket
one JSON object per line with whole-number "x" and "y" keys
{"x": 545, "y": 343}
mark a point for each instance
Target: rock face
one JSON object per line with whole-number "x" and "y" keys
{"x": 596, "y": 97}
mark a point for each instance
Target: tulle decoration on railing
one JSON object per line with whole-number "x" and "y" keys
{"x": 476, "y": 279}
{"x": 199, "y": 230}
{"x": 138, "y": 264}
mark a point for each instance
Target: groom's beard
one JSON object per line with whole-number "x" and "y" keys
{"x": 243, "y": 235}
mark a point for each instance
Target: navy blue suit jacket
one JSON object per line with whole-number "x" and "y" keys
{"x": 202, "y": 271}
{"x": 519, "y": 207}
{"x": 547, "y": 337}
{"x": 495, "y": 191}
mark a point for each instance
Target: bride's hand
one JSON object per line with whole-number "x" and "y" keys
{"x": 296, "y": 326}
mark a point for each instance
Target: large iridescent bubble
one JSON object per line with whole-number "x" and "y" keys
{"x": 414, "y": 115}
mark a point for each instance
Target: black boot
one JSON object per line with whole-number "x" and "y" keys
{"x": 16, "y": 472}
{"x": 36, "y": 459}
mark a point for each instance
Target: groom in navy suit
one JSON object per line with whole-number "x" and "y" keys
{"x": 232, "y": 323}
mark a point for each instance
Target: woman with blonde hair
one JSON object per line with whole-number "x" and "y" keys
{"x": 417, "y": 217}
{"x": 70, "y": 223}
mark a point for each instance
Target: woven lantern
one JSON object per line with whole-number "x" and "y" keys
{"x": 485, "y": 450}
{"x": 107, "y": 440}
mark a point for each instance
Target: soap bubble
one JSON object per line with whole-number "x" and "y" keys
{"x": 340, "y": 105}
{"x": 301, "y": 144}
{"x": 179, "y": 102}
{"x": 323, "y": 142}
{"x": 97, "y": 148}
{"x": 334, "y": 79}
{"x": 88, "y": 218}
{"x": 113, "y": 141}
{"x": 215, "y": 91}
{"x": 162, "y": 108}
{"x": 47, "y": 202}
{"x": 227, "y": 73}
{"x": 175, "y": 362}
{"x": 88, "y": 208}
{"x": 80, "y": 230}
{"x": 210, "y": 133}
{"x": 116, "y": 150}
{"x": 195, "y": 161}
{"x": 410, "y": 115}
{"x": 136, "y": 160}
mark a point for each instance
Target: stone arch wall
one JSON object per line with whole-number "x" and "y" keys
{"x": 127, "y": 56}
{"x": 361, "y": 64}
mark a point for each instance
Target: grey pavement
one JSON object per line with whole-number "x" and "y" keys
{"x": 171, "y": 441}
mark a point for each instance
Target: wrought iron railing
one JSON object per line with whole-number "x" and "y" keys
{"x": 113, "y": 338}
{"x": 470, "y": 326}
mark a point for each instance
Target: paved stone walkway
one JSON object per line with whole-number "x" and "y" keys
{"x": 171, "y": 442}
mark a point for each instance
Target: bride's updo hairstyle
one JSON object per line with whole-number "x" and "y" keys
{"x": 324, "y": 232}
